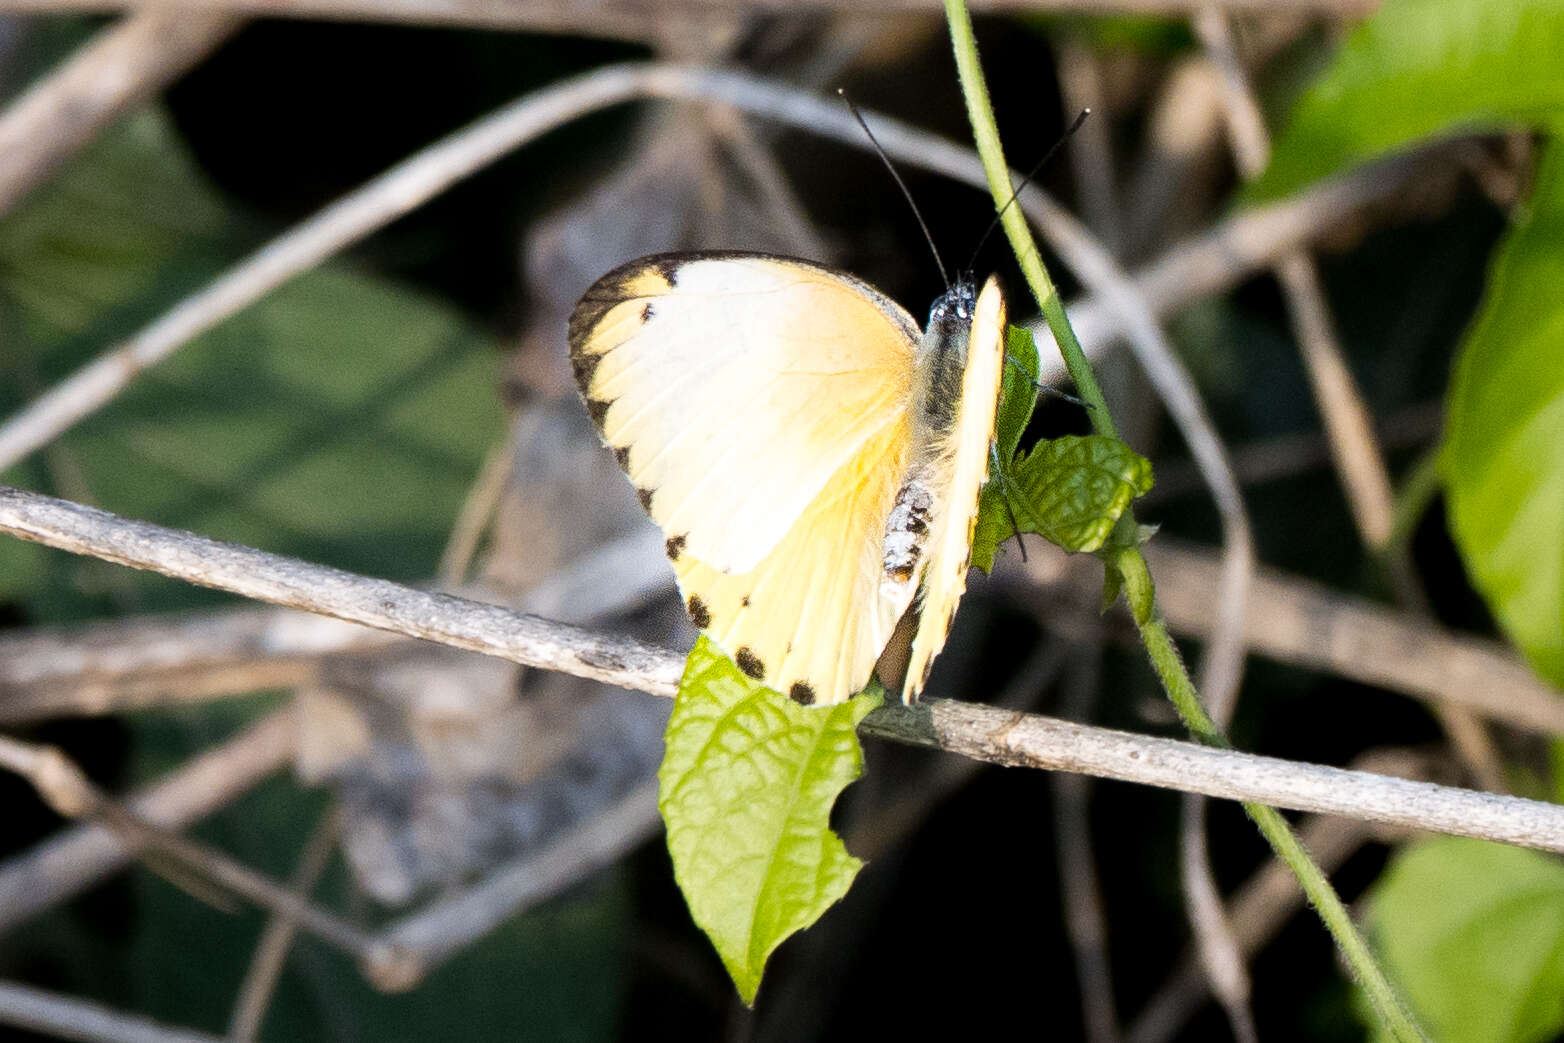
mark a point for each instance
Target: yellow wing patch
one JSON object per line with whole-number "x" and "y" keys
{"x": 733, "y": 387}
{"x": 812, "y": 619}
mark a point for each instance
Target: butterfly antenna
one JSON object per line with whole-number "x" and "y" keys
{"x": 1026, "y": 181}
{"x": 943, "y": 274}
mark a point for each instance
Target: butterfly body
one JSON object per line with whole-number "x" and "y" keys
{"x": 813, "y": 458}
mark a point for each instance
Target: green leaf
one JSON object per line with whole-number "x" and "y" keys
{"x": 1503, "y": 458}
{"x": 1017, "y": 391}
{"x": 1069, "y": 490}
{"x": 746, "y": 788}
{"x": 1474, "y": 934}
{"x": 1419, "y": 67}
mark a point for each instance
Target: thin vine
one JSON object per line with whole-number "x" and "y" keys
{"x": 1127, "y": 563}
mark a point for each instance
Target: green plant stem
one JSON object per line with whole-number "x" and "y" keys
{"x": 980, "y": 112}
{"x": 1131, "y": 564}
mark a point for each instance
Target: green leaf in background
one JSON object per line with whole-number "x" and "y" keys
{"x": 1474, "y": 934}
{"x": 1419, "y": 67}
{"x": 1070, "y": 490}
{"x": 1503, "y": 459}
{"x": 340, "y": 419}
{"x": 746, "y": 789}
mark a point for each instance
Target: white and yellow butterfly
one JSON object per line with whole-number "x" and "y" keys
{"x": 813, "y": 459}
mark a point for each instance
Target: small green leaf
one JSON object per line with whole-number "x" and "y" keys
{"x": 1503, "y": 458}
{"x": 1069, "y": 490}
{"x": 1474, "y": 934}
{"x": 1418, "y": 67}
{"x": 746, "y": 788}
{"x": 1017, "y": 391}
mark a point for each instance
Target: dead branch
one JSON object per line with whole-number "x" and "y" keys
{"x": 1257, "y": 239}
{"x": 66, "y": 789}
{"x": 121, "y": 66}
{"x": 627, "y": 20}
{"x": 436, "y": 933}
{"x": 68, "y": 1018}
{"x": 122, "y": 665}
{"x": 271, "y": 952}
{"x": 972, "y": 730}
{"x": 430, "y": 171}
{"x": 1304, "y": 623}
{"x": 82, "y": 855}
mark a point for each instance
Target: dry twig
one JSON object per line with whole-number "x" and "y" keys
{"x": 1299, "y": 622}
{"x": 434, "y": 934}
{"x": 971, "y": 730}
{"x": 68, "y": 791}
{"x": 1215, "y": 262}
{"x": 1360, "y": 463}
{"x": 628, "y": 20}
{"x": 68, "y": 1018}
{"x": 271, "y": 952}
{"x": 123, "y": 65}
{"x": 85, "y": 854}
{"x": 1085, "y": 920}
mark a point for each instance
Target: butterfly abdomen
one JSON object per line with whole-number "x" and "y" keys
{"x": 907, "y": 530}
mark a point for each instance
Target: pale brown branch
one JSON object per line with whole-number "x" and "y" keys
{"x": 629, "y": 20}
{"x": 122, "y": 65}
{"x": 1255, "y": 240}
{"x": 82, "y": 855}
{"x": 430, "y": 171}
{"x": 69, "y": 1018}
{"x": 1267, "y": 899}
{"x": 271, "y": 952}
{"x": 972, "y": 730}
{"x": 432, "y": 935}
{"x": 1359, "y": 460}
{"x": 67, "y": 790}
{"x": 121, "y": 665}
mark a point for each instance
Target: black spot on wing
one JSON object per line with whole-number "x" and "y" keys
{"x": 744, "y": 601}
{"x": 645, "y": 496}
{"x": 611, "y": 290}
{"x": 700, "y": 615}
{"x": 674, "y": 547}
{"x": 750, "y": 663}
{"x": 801, "y": 694}
{"x": 647, "y": 311}
{"x": 622, "y": 454}
{"x": 599, "y": 410}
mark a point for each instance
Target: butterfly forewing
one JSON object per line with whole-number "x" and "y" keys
{"x": 759, "y": 405}
{"x": 732, "y": 387}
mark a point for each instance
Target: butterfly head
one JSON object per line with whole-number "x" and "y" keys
{"x": 955, "y": 306}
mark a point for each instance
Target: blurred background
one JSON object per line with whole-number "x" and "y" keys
{"x": 405, "y": 410}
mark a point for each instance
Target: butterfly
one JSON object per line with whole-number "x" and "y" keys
{"x": 813, "y": 458}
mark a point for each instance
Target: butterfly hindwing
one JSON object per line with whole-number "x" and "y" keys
{"x": 812, "y": 619}
{"x": 732, "y": 387}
